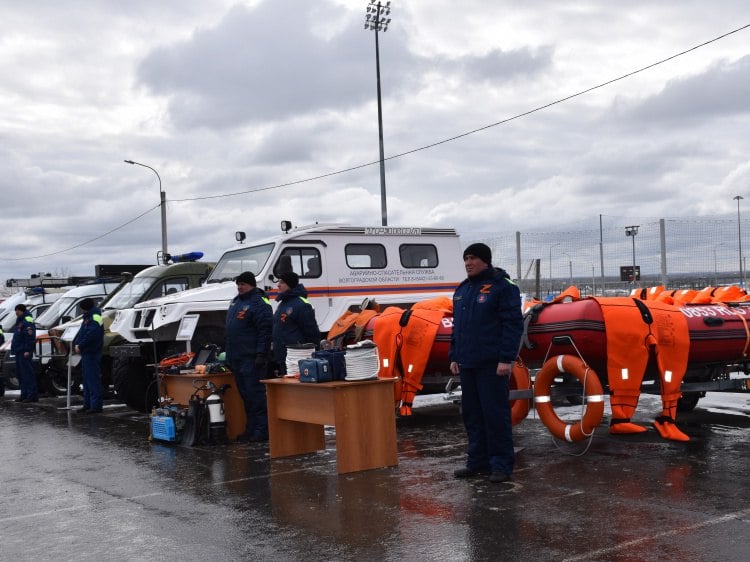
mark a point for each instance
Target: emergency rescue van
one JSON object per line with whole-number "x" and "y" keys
{"x": 339, "y": 265}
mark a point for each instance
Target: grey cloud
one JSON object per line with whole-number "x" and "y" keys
{"x": 498, "y": 65}
{"x": 247, "y": 71}
{"x": 722, "y": 90}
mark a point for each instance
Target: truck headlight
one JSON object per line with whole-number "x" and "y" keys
{"x": 164, "y": 311}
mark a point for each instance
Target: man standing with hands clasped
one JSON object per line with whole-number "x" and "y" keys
{"x": 88, "y": 342}
{"x": 487, "y": 330}
{"x": 248, "y": 343}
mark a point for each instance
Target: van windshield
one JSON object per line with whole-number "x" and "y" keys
{"x": 51, "y": 317}
{"x": 130, "y": 294}
{"x": 234, "y": 262}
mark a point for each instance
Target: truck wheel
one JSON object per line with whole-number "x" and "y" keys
{"x": 688, "y": 401}
{"x": 56, "y": 382}
{"x": 134, "y": 384}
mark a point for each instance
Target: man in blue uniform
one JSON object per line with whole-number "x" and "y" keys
{"x": 248, "y": 343}
{"x": 88, "y": 342}
{"x": 487, "y": 330}
{"x": 22, "y": 346}
{"x": 294, "y": 320}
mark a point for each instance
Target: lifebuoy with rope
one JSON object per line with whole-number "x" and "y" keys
{"x": 520, "y": 380}
{"x": 593, "y": 398}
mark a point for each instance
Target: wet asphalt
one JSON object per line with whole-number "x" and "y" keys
{"x": 93, "y": 487}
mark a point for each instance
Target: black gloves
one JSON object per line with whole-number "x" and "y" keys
{"x": 261, "y": 361}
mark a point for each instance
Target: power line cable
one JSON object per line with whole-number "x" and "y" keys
{"x": 87, "y": 241}
{"x": 408, "y": 152}
{"x": 477, "y": 130}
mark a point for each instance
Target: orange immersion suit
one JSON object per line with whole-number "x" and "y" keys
{"x": 405, "y": 339}
{"x": 634, "y": 329}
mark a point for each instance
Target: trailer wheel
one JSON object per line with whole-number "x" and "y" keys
{"x": 133, "y": 380}
{"x": 688, "y": 401}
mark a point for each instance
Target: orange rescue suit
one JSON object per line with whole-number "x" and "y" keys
{"x": 634, "y": 329}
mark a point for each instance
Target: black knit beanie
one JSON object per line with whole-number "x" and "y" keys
{"x": 290, "y": 278}
{"x": 482, "y": 251}
{"x": 246, "y": 277}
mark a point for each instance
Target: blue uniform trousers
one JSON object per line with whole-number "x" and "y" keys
{"x": 26, "y": 377}
{"x": 253, "y": 393}
{"x": 92, "y": 380}
{"x": 486, "y": 415}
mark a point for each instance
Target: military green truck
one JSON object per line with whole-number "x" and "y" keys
{"x": 154, "y": 282}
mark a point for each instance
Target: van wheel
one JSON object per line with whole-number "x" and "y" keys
{"x": 133, "y": 380}
{"x": 11, "y": 383}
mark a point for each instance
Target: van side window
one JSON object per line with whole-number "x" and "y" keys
{"x": 418, "y": 255}
{"x": 365, "y": 256}
{"x": 304, "y": 261}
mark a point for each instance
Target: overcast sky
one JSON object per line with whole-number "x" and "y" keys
{"x": 225, "y": 97}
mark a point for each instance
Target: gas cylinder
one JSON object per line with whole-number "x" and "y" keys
{"x": 217, "y": 427}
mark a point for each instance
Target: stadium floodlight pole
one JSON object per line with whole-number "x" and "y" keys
{"x": 632, "y": 231}
{"x": 377, "y": 20}
{"x": 739, "y": 198}
{"x": 162, "y": 203}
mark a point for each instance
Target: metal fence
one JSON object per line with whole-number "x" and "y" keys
{"x": 677, "y": 253}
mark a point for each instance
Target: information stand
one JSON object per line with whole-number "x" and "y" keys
{"x": 68, "y": 336}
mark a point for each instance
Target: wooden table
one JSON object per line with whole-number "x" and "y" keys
{"x": 181, "y": 387}
{"x": 363, "y": 413}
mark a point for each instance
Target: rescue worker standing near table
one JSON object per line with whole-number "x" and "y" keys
{"x": 88, "y": 342}
{"x": 248, "y": 344}
{"x": 294, "y": 320}
{"x": 487, "y": 330}
{"x": 22, "y": 346}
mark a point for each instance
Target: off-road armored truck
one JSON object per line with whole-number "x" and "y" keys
{"x": 339, "y": 266}
{"x": 155, "y": 281}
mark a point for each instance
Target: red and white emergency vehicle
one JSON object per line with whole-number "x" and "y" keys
{"x": 339, "y": 265}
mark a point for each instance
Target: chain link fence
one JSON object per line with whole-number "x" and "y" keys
{"x": 677, "y": 253}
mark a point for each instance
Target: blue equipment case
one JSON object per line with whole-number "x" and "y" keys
{"x": 314, "y": 370}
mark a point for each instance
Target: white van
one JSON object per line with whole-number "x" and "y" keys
{"x": 63, "y": 309}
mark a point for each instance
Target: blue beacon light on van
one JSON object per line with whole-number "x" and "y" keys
{"x": 190, "y": 256}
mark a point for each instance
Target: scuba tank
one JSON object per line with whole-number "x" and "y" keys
{"x": 217, "y": 427}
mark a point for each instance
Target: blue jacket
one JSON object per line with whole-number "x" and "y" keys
{"x": 24, "y": 336}
{"x": 293, "y": 322}
{"x": 487, "y": 320}
{"x": 90, "y": 336}
{"x": 249, "y": 325}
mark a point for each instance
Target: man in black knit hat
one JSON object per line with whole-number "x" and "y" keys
{"x": 294, "y": 320}
{"x": 487, "y": 330}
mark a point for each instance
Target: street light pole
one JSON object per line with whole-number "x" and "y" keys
{"x": 162, "y": 204}
{"x": 550, "y": 266}
{"x": 739, "y": 198}
{"x": 632, "y": 231}
{"x": 374, "y": 22}
{"x": 570, "y": 269}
